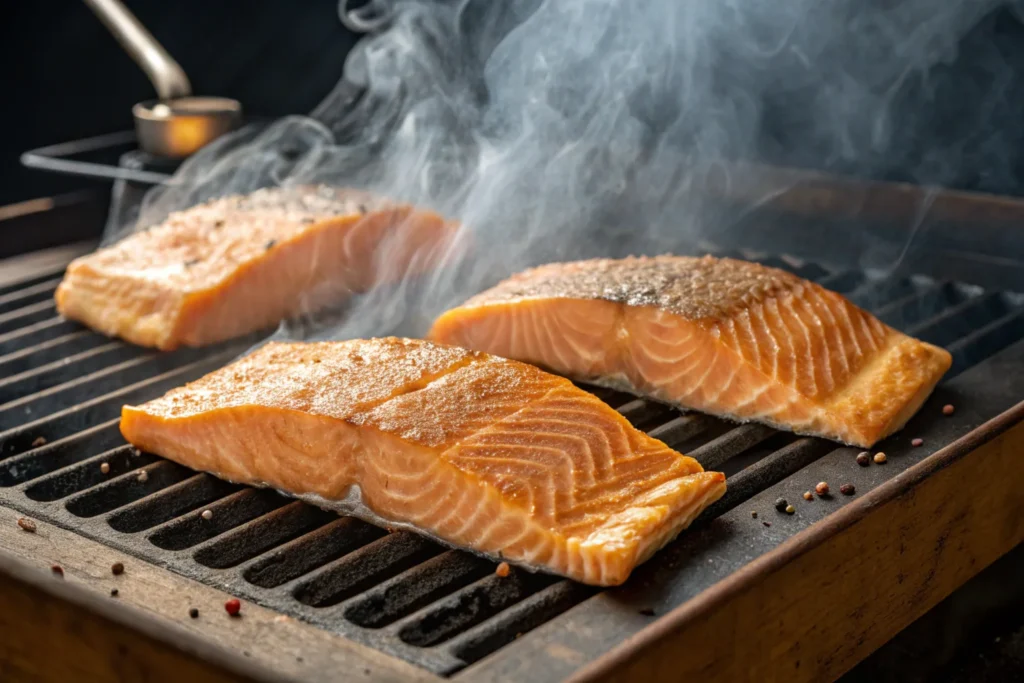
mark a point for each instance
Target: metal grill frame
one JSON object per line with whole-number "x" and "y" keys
{"x": 478, "y": 614}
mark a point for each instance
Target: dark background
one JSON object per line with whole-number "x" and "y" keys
{"x": 64, "y": 77}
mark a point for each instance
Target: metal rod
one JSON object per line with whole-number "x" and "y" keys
{"x": 164, "y": 73}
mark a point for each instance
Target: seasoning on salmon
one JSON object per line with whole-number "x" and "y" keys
{"x": 726, "y": 337}
{"x": 239, "y": 264}
{"x": 481, "y": 452}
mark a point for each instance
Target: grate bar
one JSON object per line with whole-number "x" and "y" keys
{"x": 170, "y": 503}
{"x": 26, "y": 315}
{"x": 88, "y": 473}
{"x": 19, "y": 389}
{"x": 36, "y": 334}
{"x": 49, "y": 457}
{"x": 53, "y": 350}
{"x": 29, "y": 295}
{"x": 43, "y": 276}
{"x": 715, "y": 453}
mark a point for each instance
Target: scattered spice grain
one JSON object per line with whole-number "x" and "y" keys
{"x": 105, "y": 468}
{"x": 879, "y": 458}
{"x": 847, "y": 489}
{"x": 27, "y": 524}
{"x": 207, "y": 515}
{"x": 117, "y": 568}
{"x": 233, "y": 607}
{"x": 780, "y": 504}
{"x": 822, "y": 488}
{"x": 916, "y": 443}
{"x": 808, "y": 495}
{"x": 502, "y": 569}
{"x": 790, "y": 509}
{"x": 143, "y": 476}
{"x": 39, "y": 441}
{"x": 114, "y": 592}
{"x": 864, "y": 459}
{"x": 948, "y": 409}
{"x": 57, "y": 570}
{"x": 193, "y": 613}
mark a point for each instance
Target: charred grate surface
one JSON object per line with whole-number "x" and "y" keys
{"x": 63, "y": 460}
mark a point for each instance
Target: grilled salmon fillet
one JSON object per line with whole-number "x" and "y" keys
{"x": 481, "y": 452}
{"x": 243, "y": 263}
{"x": 723, "y": 336}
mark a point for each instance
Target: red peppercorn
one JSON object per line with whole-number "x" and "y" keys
{"x": 233, "y": 607}
{"x": 948, "y": 409}
{"x": 57, "y": 570}
{"x": 917, "y": 442}
{"x": 502, "y": 569}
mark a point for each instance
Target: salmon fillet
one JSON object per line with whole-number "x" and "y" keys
{"x": 723, "y": 336}
{"x": 481, "y": 452}
{"x": 240, "y": 264}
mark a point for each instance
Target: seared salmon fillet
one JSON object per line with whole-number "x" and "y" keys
{"x": 481, "y": 452}
{"x": 239, "y": 264}
{"x": 723, "y": 336}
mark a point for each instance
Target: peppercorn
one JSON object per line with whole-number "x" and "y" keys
{"x": 193, "y": 612}
{"x": 847, "y": 489}
{"x": 117, "y": 568}
{"x": 917, "y": 442}
{"x": 57, "y": 570}
{"x": 948, "y": 409}
{"x": 207, "y": 515}
{"x": 864, "y": 459}
{"x": 808, "y": 495}
{"x": 879, "y": 458}
{"x": 753, "y": 513}
{"x": 105, "y": 468}
{"x": 502, "y": 569}
{"x": 114, "y": 592}
{"x": 233, "y": 607}
{"x": 822, "y": 488}
{"x": 780, "y": 504}
{"x": 143, "y": 477}
{"x": 766, "y": 523}
{"x": 27, "y": 524}
{"x": 790, "y": 509}
{"x": 39, "y": 441}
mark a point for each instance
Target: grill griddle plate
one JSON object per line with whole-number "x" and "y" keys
{"x": 62, "y": 387}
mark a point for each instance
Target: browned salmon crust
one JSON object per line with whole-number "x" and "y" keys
{"x": 723, "y": 336}
{"x": 243, "y": 263}
{"x": 481, "y": 452}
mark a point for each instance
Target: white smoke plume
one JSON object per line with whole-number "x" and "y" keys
{"x": 559, "y": 129}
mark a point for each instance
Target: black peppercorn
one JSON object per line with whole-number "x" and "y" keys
{"x": 781, "y": 504}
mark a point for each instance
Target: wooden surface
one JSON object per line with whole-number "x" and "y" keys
{"x": 832, "y": 595}
{"x": 71, "y": 629}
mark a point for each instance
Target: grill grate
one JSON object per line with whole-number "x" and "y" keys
{"x": 61, "y": 389}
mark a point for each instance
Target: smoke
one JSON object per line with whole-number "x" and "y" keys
{"x": 560, "y": 129}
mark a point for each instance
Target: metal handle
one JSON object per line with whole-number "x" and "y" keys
{"x": 164, "y": 73}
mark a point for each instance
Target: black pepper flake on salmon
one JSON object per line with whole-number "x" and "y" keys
{"x": 218, "y": 224}
{"x": 270, "y": 244}
{"x": 362, "y": 209}
{"x": 191, "y": 262}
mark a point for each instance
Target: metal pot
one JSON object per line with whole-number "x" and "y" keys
{"x": 178, "y": 123}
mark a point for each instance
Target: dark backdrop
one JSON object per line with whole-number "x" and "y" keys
{"x": 64, "y": 77}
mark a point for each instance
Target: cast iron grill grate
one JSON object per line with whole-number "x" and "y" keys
{"x": 61, "y": 389}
